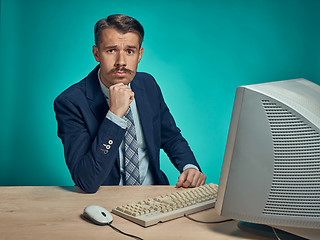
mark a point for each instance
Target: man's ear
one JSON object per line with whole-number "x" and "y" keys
{"x": 140, "y": 54}
{"x": 95, "y": 52}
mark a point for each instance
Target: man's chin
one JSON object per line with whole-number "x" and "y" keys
{"x": 112, "y": 80}
{"x": 125, "y": 81}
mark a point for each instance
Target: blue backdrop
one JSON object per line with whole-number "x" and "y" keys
{"x": 198, "y": 51}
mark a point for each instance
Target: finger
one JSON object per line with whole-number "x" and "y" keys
{"x": 196, "y": 178}
{"x": 200, "y": 179}
{"x": 181, "y": 179}
{"x": 190, "y": 175}
{"x": 116, "y": 85}
{"x": 122, "y": 89}
{"x": 131, "y": 97}
{"x": 194, "y": 181}
{"x": 126, "y": 90}
{"x": 204, "y": 180}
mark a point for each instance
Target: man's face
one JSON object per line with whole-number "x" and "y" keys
{"x": 119, "y": 55}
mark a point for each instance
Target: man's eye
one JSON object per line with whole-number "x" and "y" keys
{"x": 111, "y": 51}
{"x": 130, "y": 51}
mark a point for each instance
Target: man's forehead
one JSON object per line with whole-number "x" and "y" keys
{"x": 112, "y": 35}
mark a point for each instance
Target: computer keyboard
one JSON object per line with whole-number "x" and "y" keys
{"x": 170, "y": 206}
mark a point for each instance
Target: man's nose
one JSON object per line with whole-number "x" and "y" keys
{"x": 120, "y": 61}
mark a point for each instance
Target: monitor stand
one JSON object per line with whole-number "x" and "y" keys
{"x": 267, "y": 231}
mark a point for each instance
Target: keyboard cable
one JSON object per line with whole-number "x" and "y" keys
{"x": 195, "y": 220}
{"x": 275, "y": 233}
{"x": 129, "y": 235}
{"x": 223, "y": 221}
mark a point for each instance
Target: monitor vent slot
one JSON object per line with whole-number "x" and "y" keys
{"x": 295, "y": 189}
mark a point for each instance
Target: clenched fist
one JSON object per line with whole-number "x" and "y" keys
{"x": 120, "y": 98}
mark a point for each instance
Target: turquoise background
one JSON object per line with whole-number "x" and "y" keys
{"x": 199, "y": 52}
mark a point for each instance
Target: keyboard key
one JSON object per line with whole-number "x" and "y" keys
{"x": 169, "y": 206}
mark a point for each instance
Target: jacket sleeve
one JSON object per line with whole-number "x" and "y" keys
{"x": 89, "y": 158}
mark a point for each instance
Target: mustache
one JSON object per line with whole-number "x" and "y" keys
{"x": 121, "y": 69}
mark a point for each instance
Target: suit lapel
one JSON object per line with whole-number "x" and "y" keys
{"x": 96, "y": 99}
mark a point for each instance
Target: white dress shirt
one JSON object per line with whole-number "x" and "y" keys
{"x": 146, "y": 177}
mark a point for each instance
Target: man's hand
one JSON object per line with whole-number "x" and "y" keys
{"x": 120, "y": 98}
{"x": 191, "y": 178}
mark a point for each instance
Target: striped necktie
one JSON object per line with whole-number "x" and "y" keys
{"x": 131, "y": 159}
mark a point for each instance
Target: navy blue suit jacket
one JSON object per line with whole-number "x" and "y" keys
{"x": 83, "y": 129}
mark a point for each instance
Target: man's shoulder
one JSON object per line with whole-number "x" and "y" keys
{"x": 143, "y": 76}
{"x": 77, "y": 90}
{"x": 146, "y": 80}
{"x": 73, "y": 91}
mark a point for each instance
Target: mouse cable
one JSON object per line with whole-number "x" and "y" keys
{"x": 195, "y": 220}
{"x": 129, "y": 235}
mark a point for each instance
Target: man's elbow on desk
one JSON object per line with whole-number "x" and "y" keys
{"x": 86, "y": 188}
{"x": 90, "y": 190}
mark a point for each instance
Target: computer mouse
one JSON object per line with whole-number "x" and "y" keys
{"x": 97, "y": 215}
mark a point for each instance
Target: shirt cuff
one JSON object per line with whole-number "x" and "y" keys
{"x": 117, "y": 120}
{"x": 190, "y": 166}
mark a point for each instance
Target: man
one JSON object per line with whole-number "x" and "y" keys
{"x": 114, "y": 122}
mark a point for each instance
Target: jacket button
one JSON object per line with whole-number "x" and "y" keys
{"x": 110, "y": 142}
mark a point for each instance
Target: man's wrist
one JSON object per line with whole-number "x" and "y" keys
{"x": 190, "y": 166}
{"x": 116, "y": 119}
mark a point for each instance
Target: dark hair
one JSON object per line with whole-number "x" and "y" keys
{"x": 119, "y": 22}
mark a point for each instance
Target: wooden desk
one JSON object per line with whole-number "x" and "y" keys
{"x": 54, "y": 213}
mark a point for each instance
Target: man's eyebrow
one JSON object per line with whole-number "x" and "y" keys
{"x": 110, "y": 47}
{"x": 132, "y": 46}
{"x": 115, "y": 46}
